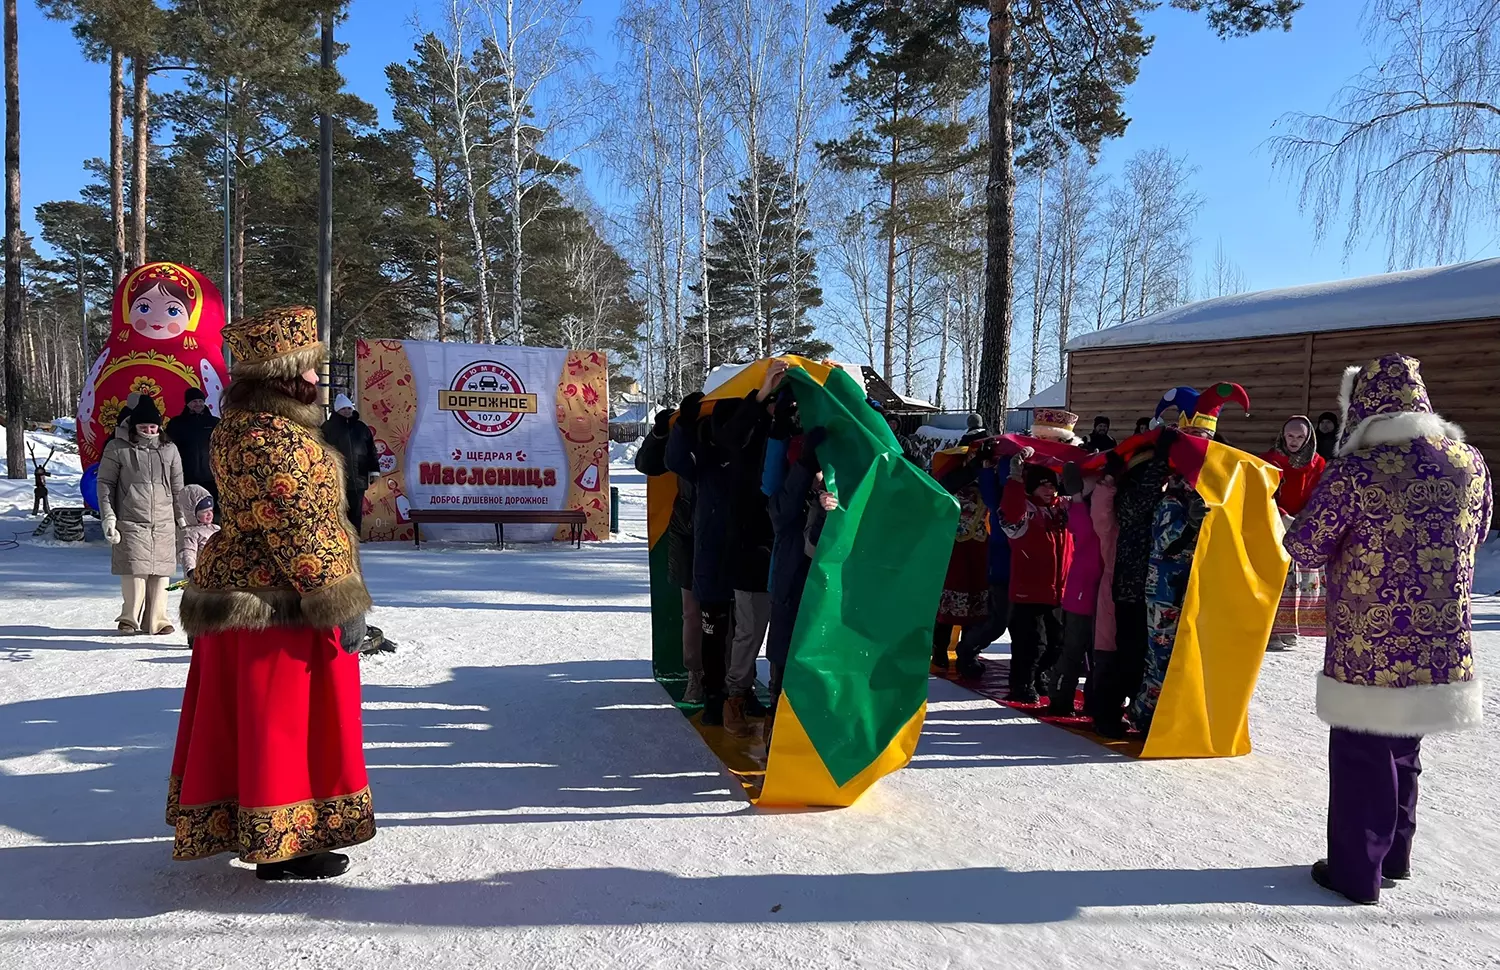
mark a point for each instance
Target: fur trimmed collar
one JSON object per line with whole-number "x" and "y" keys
{"x": 265, "y": 400}
{"x": 1390, "y": 428}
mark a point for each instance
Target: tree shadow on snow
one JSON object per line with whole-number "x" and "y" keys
{"x": 135, "y": 880}
{"x": 590, "y": 740}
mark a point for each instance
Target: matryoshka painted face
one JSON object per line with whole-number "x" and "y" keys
{"x": 158, "y": 314}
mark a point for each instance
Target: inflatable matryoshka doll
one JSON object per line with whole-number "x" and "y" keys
{"x": 165, "y": 337}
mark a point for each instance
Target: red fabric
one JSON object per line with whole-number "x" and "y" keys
{"x": 1041, "y": 548}
{"x": 1297, "y": 484}
{"x": 269, "y": 718}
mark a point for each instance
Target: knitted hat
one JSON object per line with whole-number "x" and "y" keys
{"x": 1206, "y": 412}
{"x": 193, "y": 394}
{"x": 1053, "y": 424}
{"x": 1034, "y": 476}
{"x": 145, "y": 412}
{"x": 341, "y": 402}
{"x": 205, "y": 504}
{"x": 277, "y": 343}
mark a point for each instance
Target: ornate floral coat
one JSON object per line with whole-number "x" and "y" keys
{"x": 1397, "y": 521}
{"x": 285, "y": 555}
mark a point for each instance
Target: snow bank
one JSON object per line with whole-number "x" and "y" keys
{"x": 1439, "y": 294}
{"x": 623, "y": 452}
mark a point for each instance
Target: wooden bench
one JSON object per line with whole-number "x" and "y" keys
{"x": 574, "y": 518}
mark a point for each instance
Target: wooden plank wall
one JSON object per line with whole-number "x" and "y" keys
{"x": 1125, "y": 383}
{"x": 1296, "y": 375}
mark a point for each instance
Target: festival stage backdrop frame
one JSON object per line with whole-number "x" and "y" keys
{"x": 484, "y": 427}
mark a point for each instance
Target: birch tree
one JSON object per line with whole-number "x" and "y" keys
{"x": 1409, "y": 151}
{"x": 543, "y": 95}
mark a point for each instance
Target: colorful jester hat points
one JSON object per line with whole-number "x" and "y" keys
{"x": 1210, "y": 402}
{"x": 1183, "y": 398}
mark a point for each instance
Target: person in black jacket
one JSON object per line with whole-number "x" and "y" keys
{"x": 1101, "y": 440}
{"x": 1138, "y": 494}
{"x": 190, "y": 431}
{"x": 747, "y": 559}
{"x": 352, "y": 438}
{"x": 651, "y": 461}
{"x": 692, "y": 455}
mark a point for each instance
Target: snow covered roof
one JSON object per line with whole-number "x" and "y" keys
{"x": 1055, "y": 396}
{"x": 1439, "y": 294}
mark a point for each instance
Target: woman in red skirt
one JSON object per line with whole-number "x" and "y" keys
{"x": 270, "y": 761}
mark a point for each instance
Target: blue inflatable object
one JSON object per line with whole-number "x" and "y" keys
{"x": 88, "y": 487}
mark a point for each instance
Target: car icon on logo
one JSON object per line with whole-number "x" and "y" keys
{"x": 488, "y": 383}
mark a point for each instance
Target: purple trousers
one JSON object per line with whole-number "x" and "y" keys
{"x": 1372, "y": 809}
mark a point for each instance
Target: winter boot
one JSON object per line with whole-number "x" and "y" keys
{"x": 324, "y": 865}
{"x": 127, "y": 629}
{"x": 693, "y": 694}
{"x": 970, "y": 668}
{"x": 940, "y": 658}
{"x": 734, "y": 721}
{"x": 713, "y": 710}
{"x": 753, "y": 706}
{"x": 1321, "y": 876}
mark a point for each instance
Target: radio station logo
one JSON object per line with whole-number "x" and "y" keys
{"x": 487, "y": 398}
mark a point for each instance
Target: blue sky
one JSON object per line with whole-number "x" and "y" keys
{"x": 1213, "y": 100}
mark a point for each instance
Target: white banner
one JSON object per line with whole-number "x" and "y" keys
{"x": 486, "y": 435}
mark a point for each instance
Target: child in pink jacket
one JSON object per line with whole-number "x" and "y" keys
{"x": 1107, "y": 529}
{"x": 1079, "y": 602}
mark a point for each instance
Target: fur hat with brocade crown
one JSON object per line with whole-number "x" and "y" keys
{"x": 1385, "y": 401}
{"x": 1054, "y": 424}
{"x": 277, "y": 343}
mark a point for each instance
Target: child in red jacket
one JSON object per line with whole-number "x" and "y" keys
{"x": 1035, "y": 520}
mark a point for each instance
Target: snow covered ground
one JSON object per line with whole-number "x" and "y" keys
{"x": 541, "y": 805}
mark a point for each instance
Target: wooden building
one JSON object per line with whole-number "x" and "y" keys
{"x": 1289, "y": 349}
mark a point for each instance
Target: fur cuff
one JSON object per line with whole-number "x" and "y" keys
{"x": 1401, "y": 712}
{"x": 216, "y": 610}
{"x": 289, "y": 365}
{"x": 1390, "y": 429}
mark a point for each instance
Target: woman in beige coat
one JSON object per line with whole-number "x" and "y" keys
{"x": 140, "y": 476}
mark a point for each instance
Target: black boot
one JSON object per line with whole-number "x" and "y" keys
{"x": 323, "y": 865}
{"x": 753, "y": 706}
{"x": 1321, "y": 877}
{"x": 713, "y": 710}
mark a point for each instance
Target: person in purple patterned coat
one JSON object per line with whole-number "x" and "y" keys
{"x": 1396, "y": 521}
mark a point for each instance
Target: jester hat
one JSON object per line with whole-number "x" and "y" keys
{"x": 1205, "y": 414}
{"x": 1183, "y": 398}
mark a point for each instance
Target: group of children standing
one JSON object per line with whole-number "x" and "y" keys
{"x": 1090, "y": 577}
{"x": 750, "y": 507}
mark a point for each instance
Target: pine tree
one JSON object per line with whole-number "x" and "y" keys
{"x": 902, "y": 73}
{"x": 737, "y": 334}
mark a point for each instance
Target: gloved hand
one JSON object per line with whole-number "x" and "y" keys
{"x": 1166, "y": 440}
{"x": 663, "y": 422}
{"x": 352, "y": 634}
{"x": 690, "y": 407}
{"x": 111, "y": 533}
